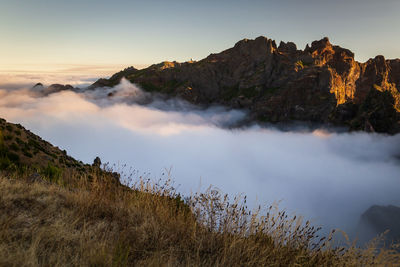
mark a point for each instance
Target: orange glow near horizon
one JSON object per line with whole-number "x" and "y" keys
{"x": 57, "y": 73}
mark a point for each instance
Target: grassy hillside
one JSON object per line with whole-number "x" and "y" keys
{"x": 23, "y": 152}
{"x": 89, "y": 220}
{"x": 21, "y": 146}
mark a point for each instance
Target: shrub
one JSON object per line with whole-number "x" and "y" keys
{"x": 13, "y": 157}
{"x": 299, "y": 64}
{"x": 4, "y": 163}
{"x": 1, "y": 139}
{"x": 28, "y": 154}
{"x": 14, "y": 147}
{"x": 19, "y": 141}
{"x": 34, "y": 143}
{"x": 52, "y": 172}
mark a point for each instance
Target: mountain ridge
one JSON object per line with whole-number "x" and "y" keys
{"x": 322, "y": 83}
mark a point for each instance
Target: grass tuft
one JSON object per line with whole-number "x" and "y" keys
{"x": 90, "y": 220}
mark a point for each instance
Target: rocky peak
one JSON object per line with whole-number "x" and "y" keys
{"x": 288, "y": 47}
{"x": 165, "y": 65}
{"x": 325, "y": 53}
{"x": 55, "y": 88}
{"x": 394, "y": 75}
{"x": 131, "y": 68}
{"x": 378, "y": 64}
{"x": 376, "y": 72}
{"x": 323, "y": 83}
{"x": 38, "y": 85}
{"x": 260, "y": 46}
{"x": 320, "y": 45}
{"x": 126, "y": 71}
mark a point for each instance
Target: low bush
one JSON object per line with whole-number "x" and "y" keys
{"x": 52, "y": 173}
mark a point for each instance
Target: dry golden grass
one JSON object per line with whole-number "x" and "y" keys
{"x": 99, "y": 223}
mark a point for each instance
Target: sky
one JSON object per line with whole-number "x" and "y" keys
{"x": 43, "y": 35}
{"x": 332, "y": 177}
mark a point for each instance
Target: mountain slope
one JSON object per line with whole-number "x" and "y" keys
{"x": 322, "y": 83}
{"x": 28, "y": 154}
{"x": 88, "y": 221}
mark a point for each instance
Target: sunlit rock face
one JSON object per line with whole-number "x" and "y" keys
{"x": 322, "y": 83}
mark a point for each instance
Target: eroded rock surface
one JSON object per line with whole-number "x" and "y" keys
{"x": 322, "y": 83}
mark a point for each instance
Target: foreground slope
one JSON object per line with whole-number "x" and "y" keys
{"x": 21, "y": 147}
{"x": 26, "y": 153}
{"x": 322, "y": 83}
{"x": 82, "y": 217}
{"x": 95, "y": 225}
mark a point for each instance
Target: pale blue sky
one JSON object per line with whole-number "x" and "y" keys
{"x": 96, "y": 32}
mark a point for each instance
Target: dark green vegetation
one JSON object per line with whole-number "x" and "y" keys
{"x": 55, "y": 215}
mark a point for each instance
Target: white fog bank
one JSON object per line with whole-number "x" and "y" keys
{"x": 330, "y": 178}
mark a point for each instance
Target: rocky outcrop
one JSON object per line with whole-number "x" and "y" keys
{"x": 53, "y": 88}
{"x": 38, "y": 85}
{"x": 322, "y": 83}
{"x": 379, "y": 219}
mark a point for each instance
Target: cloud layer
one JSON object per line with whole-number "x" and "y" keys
{"x": 329, "y": 177}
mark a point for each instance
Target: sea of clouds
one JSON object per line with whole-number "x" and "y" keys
{"x": 328, "y": 177}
